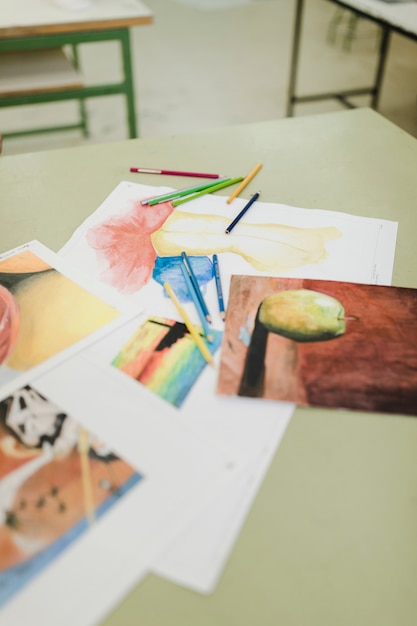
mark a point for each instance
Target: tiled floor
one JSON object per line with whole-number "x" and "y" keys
{"x": 211, "y": 63}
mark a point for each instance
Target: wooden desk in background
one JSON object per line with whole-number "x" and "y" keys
{"x": 34, "y": 25}
{"x": 330, "y": 540}
{"x": 397, "y": 17}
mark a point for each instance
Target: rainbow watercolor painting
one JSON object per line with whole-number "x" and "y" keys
{"x": 162, "y": 356}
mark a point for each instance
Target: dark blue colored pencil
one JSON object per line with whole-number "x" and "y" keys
{"x": 218, "y": 286}
{"x": 242, "y": 213}
{"x": 196, "y": 286}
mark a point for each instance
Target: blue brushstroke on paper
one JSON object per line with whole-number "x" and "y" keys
{"x": 168, "y": 269}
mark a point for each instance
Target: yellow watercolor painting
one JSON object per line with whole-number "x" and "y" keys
{"x": 42, "y": 312}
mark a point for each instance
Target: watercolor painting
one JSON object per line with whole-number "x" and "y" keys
{"x": 130, "y": 244}
{"x": 321, "y": 343}
{"x": 126, "y": 245}
{"x": 163, "y": 356}
{"x": 56, "y": 480}
{"x": 42, "y": 312}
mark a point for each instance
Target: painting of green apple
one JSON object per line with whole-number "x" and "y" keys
{"x": 321, "y": 343}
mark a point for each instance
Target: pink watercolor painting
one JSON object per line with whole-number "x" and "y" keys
{"x": 124, "y": 245}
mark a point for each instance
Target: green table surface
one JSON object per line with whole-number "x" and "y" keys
{"x": 331, "y": 538}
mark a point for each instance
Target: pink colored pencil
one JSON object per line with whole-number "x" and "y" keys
{"x": 145, "y": 170}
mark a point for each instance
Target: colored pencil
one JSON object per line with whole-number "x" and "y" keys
{"x": 242, "y": 213}
{"x": 147, "y": 170}
{"x": 83, "y": 447}
{"x": 191, "y": 328}
{"x": 225, "y": 183}
{"x": 179, "y": 193}
{"x": 197, "y": 304}
{"x": 196, "y": 286}
{"x": 218, "y": 285}
{"x": 245, "y": 182}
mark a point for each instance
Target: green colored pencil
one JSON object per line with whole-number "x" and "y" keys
{"x": 179, "y": 193}
{"x": 225, "y": 183}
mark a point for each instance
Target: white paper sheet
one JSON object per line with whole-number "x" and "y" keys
{"x": 200, "y": 550}
{"x": 180, "y": 472}
{"x": 198, "y": 555}
{"x": 364, "y": 252}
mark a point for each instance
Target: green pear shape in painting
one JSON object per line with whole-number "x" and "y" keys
{"x": 303, "y": 315}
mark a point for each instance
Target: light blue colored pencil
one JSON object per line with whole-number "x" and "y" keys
{"x": 218, "y": 286}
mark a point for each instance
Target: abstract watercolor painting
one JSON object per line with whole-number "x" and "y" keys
{"x": 56, "y": 480}
{"x": 42, "y": 312}
{"x": 163, "y": 357}
{"x": 321, "y": 343}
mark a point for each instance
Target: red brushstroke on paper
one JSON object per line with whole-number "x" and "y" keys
{"x": 124, "y": 247}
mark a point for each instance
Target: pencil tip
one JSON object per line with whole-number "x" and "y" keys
{"x": 227, "y": 231}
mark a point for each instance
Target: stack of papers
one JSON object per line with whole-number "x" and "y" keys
{"x": 118, "y": 454}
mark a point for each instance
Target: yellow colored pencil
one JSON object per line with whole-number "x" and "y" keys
{"x": 244, "y": 182}
{"x": 83, "y": 446}
{"x": 190, "y": 326}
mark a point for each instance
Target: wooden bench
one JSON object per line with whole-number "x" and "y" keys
{"x": 39, "y": 71}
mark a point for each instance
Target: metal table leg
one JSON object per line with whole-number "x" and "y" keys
{"x": 129, "y": 85}
{"x": 294, "y": 57}
{"x": 383, "y": 52}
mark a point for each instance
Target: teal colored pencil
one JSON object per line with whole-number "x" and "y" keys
{"x": 225, "y": 183}
{"x": 196, "y": 286}
{"x": 179, "y": 193}
{"x": 197, "y": 304}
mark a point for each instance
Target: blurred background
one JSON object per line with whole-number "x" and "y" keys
{"x": 206, "y": 64}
